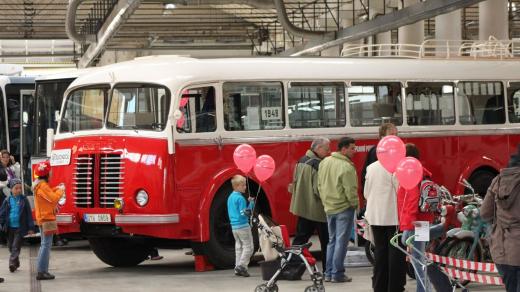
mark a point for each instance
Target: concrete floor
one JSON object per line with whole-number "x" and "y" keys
{"x": 78, "y": 269}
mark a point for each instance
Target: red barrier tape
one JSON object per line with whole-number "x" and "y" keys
{"x": 484, "y": 279}
{"x": 463, "y": 264}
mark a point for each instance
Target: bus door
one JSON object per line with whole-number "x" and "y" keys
{"x": 26, "y": 131}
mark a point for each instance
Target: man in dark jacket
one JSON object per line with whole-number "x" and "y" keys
{"x": 501, "y": 207}
{"x": 305, "y": 201}
{"x": 16, "y": 219}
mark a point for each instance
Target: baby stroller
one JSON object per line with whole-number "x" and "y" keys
{"x": 435, "y": 279}
{"x": 277, "y": 248}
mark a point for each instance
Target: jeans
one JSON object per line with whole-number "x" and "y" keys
{"x": 418, "y": 253}
{"x": 14, "y": 243}
{"x": 44, "y": 253}
{"x": 244, "y": 246}
{"x": 340, "y": 226}
{"x": 305, "y": 229}
{"x": 511, "y": 277}
{"x": 390, "y": 263}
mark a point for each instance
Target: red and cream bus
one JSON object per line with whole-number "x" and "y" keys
{"x": 144, "y": 169}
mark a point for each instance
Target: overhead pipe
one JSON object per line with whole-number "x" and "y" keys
{"x": 405, "y": 16}
{"x": 259, "y": 4}
{"x": 70, "y": 24}
{"x": 283, "y": 18}
{"x": 126, "y": 9}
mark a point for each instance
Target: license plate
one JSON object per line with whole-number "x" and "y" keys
{"x": 97, "y": 218}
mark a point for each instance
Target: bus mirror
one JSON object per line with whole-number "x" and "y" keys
{"x": 50, "y": 141}
{"x": 56, "y": 116}
{"x": 177, "y": 114}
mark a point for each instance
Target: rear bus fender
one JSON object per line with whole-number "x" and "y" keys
{"x": 208, "y": 195}
{"x": 479, "y": 163}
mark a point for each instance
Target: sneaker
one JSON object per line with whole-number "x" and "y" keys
{"x": 1, "y": 280}
{"x": 12, "y": 268}
{"x": 341, "y": 279}
{"x": 241, "y": 271}
{"x": 45, "y": 276}
{"x": 326, "y": 279}
{"x": 156, "y": 258}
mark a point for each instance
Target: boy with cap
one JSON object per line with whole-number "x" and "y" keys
{"x": 16, "y": 220}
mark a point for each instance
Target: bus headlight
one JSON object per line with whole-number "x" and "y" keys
{"x": 141, "y": 198}
{"x": 62, "y": 200}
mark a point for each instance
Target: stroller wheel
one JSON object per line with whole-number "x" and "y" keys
{"x": 264, "y": 288}
{"x": 315, "y": 288}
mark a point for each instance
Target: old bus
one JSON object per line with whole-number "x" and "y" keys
{"x": 143, "y": 169}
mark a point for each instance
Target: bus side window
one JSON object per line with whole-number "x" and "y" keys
{"x": 430, "y": 103}
{"x": 253, "y": 106}
{"x": 481, "y": 102}
{"x": 199, "y": 112}
{"x": 372, "y": 104}
{"x": 513, "y": 103}
{"x": 316, "y": 104}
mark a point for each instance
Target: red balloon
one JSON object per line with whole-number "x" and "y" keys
{"x": 409, "y": 172}
{"x": 244, "y": 157}
{"x": 390, "y": 150}
{"x": 180, "y": 121}
{"x": 183, "y": 102}
{"x": 264, "y": 167}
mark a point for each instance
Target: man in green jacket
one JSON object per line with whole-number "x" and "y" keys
{"x": 305, "y": 201}
{"x": 337, "y": 185}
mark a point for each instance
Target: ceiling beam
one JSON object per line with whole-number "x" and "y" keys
{"x": 399, "y": 18}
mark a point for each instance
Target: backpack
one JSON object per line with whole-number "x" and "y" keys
{"x": 429, "y": 198}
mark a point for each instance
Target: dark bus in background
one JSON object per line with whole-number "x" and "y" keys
{"x": 17, "y": 106}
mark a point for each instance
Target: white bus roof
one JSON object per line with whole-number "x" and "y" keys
{"x": 15, "y": 80}
{"x": 65, "y": 75}
{"x": 175, "y": 71}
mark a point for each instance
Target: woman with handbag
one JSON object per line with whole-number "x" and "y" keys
{"x": 45, "y": 203}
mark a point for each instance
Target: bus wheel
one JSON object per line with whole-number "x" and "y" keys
{"x": 220, "y": 249}
{"x": 480, "y": 180}
{"x": 119, "y": 252}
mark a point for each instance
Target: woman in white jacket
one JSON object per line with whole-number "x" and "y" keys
{"x": 380, "y": 191}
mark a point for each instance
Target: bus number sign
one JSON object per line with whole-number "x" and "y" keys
{"x": 271, "y": 113}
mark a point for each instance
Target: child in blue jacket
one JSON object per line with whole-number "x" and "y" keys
{"x": 16, "y": 220}
{"x": 237, "y": 210}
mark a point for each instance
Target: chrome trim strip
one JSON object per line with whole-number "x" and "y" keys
{"x": 366, "y": 134}
{"x": 64, "y": 218}
{"x": 148, "y": 219}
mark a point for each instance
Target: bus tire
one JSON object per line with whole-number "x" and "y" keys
{"x": 119, "y": 252}
{"x": 480, "y": 180}
{"x": 220, "y": 248}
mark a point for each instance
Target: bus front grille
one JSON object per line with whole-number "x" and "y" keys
{"x": 83, "y": 181}
{"x": 111, "y": 173}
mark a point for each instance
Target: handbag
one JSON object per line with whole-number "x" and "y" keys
{"x": 49, "y": 227}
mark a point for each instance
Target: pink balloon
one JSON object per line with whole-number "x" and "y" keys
{"x": 390, "y": 150}
{"x": 244, "y": 157}
{"x": 264, "y": 167}
{"x": 409, "y": 172}
{"x": 180, "y": 121}
{"x": 183, "y": 102}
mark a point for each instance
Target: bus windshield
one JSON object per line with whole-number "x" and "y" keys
{"x": 49, "y": 95}
{"x": 84, "y": 110}
{"x": 138, "y": 107}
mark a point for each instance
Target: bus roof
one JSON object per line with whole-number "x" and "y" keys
{"x": 174, "y": 70}
{"x": 71, "y": 74}
{"x": 15, "y": 80}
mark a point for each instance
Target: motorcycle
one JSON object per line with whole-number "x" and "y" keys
{"x": 468, "y": 241}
